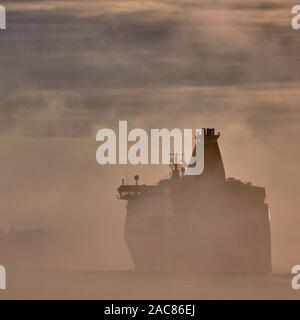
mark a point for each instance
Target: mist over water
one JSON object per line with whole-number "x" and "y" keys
{"x": 61, "y": 187}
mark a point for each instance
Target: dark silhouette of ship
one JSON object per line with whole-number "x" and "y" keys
{"x": 203, "y": 223}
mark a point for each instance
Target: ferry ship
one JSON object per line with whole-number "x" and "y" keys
{"x": 206, "y": 223}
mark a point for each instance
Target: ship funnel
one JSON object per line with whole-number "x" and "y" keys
{"x": 213, "y": 163}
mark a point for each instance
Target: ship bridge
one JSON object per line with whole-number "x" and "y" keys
{"x": 127, "y": 192}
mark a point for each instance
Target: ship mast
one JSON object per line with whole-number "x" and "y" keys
{"x": 177, "y": 170}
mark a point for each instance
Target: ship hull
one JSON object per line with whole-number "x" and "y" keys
{"x": 187, "y": 230}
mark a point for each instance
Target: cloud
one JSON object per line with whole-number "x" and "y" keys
{"x": 104, "y": 58}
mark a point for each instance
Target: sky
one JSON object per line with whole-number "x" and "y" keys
{"x": 70, "y": 68}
